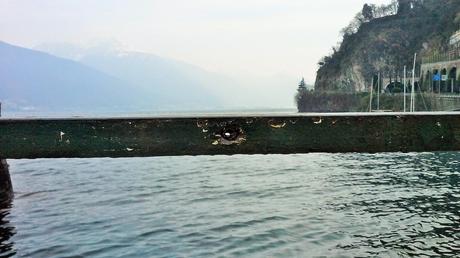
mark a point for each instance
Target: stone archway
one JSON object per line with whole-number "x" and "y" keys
{"x": 444, "y": 87}
{"x": 428, "y": 81}
{"x": 436, "y": 82}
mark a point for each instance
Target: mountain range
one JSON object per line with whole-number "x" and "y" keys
{"x": 70, "y": 78}
{"x": 31, "y": 79}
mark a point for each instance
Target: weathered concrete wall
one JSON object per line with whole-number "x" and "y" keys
{"x": 446, "y": 103}
{"x": 6, "y": 188}
{"x": 359, "y": 102}
{"x": 229, "y": 135}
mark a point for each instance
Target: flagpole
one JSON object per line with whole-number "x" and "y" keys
{"x": 405, "y": 81}
{"x": 378, "y": 93}
{"x": 370, "y": 98}
{"x": 413, "y": 85}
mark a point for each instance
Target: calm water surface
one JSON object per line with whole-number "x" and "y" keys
{"x": 333, "y": 205}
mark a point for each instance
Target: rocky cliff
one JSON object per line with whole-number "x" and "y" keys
{"x": 385, "y": 43}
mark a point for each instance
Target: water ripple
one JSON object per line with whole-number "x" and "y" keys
{"x": 333, "y": 205}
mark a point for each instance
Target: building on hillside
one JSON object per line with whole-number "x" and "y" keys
{"x": 455, "y": 39}
{"x": 439, "y": 72}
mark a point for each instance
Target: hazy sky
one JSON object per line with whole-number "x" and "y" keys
{"x": 235, "y": 37}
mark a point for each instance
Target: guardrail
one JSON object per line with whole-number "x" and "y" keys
{"x": 451, "y": 55}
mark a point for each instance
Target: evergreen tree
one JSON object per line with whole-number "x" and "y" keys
{"x": 302, "y": 86}
{"x": 301, "y": 96}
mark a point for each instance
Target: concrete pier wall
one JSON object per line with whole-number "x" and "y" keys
{"x": 6, "y": 187}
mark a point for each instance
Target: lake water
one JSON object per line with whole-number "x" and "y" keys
{"x": 334, "y": 205}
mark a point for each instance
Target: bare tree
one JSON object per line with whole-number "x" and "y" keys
{"x": 368, "y": 12}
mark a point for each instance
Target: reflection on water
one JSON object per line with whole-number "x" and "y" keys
{"x": 339, "y": 205}
{"x": 6, "y": 232}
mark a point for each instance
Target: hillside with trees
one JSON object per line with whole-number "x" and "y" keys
{"x": 384, "y": 39}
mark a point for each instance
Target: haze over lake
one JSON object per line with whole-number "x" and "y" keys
{"x": 150, "y": 77}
